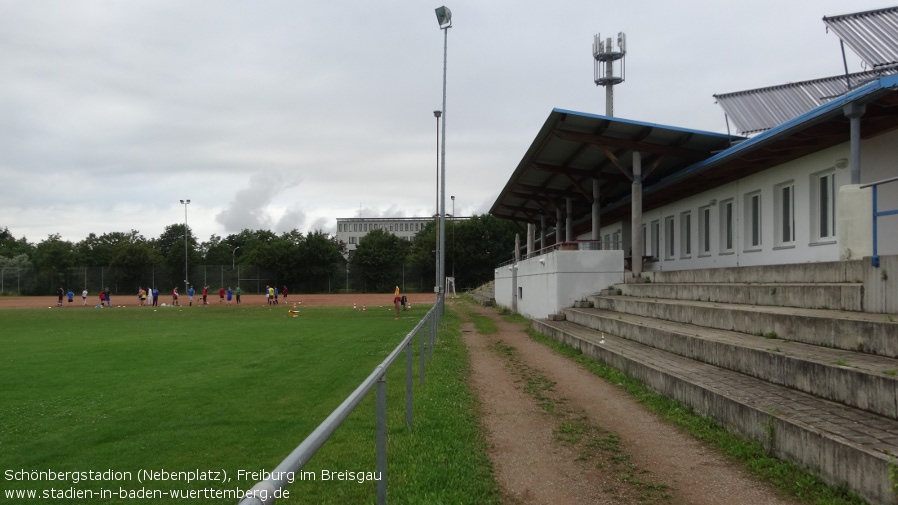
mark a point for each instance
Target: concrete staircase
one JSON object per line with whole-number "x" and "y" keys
{"x": 485, "y": 295}
{"x": 784, "y": 355}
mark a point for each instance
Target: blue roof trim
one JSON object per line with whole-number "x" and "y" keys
{"x": 870, "y": 88}
{"x": 642, "y": 123}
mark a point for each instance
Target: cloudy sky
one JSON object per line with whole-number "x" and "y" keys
{"x": 285, "y": 114}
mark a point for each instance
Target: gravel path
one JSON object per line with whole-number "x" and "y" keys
{"x": 559, "y": 434}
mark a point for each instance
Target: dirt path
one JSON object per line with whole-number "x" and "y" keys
{"x": 559, "y": 434}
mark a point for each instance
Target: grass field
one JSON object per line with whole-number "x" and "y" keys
{"x": 228, "y": 390}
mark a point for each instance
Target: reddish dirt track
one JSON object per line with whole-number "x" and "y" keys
{"x": 369, "y": 299}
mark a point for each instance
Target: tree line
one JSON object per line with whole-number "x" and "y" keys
{"x": 312, "y": 262}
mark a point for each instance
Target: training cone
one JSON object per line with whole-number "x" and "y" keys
{"x": 364, "y": 308}
{"x": 294, "y": 305}
{"x": 353, "y": 305}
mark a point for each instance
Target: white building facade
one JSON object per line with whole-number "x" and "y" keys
{"x": 791, "y": 213}
{"x": 351, "y": 230}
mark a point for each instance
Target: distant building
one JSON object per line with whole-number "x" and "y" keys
{"x": 350, "y": 230}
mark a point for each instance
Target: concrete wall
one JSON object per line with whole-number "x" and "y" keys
{"x": 855, "y": 222}
{"x": 877, "y": 161}
{"x": 543, "y": 285}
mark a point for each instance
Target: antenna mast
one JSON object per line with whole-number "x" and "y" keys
{"x": 605, "y": 55}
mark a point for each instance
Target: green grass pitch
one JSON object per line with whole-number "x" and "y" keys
{"x": 227, "y": 390}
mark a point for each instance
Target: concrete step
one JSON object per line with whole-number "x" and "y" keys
{"x": 847, "y": 330}
{"x": 841, "y": 444}
{"x": 826, "y": 272}
{"x": 837, "y": 296}
{"x": 855, "y": 379}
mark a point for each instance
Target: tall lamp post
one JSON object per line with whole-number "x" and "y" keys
{"x": 436, "y": 212}
{"x": 454, "y": 222}
{"x": 186, "y": 284}
{"x": 444, "y": 18}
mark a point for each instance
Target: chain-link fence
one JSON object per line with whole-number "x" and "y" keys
{"x": 29, "y": 281}
{"x": 250, "y": 278}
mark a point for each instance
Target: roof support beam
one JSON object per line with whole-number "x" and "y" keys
{"x": 636, "y": 247}
{"x": 854, "y": 111}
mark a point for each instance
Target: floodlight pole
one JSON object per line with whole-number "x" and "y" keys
{"x": 186, "y": 283}
{"x": 444, "y": 18}
{"x": 454, "y": 222}
{"x": 436, "y": 213}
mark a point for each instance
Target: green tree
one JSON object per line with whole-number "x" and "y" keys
{"x": 11, "y": 246}
{"x": 474, "y": 247}
{"x": 422, "y": 255}
{"x": 135, "y": 261}
{"x": 379, "y": 260}
{"x": 280, "y": 257}
{"x": 170, "y": 246}
{"x": 54, "y": 259}
{"x": 97, "y": 251}
{"x": 218, "y": 251}
{"x": 321, "y": 256}
{"x": 477, "y": 246}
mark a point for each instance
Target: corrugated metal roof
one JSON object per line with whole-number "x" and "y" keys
{"x": 757, "y": 110}
{"x": 873, "y": 35}
{"x": 573, "y": 148}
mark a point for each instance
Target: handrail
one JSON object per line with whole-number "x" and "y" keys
{"x": 874, "y": 260}
{"x": 579, "y": 245}
{"x": 267, "y": 491}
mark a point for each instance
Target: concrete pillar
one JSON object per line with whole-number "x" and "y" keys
{"x": 596, "y": 223}
{"x": 542, "y": 231}
{"x": 854, "y": 112}
{"x": 569, "y": 220}
{"x": 559, "y": 238}
{"x": 530, "y": 231}
{"x": 855, "y": 225}
{"x": 514, "y": 273}
{"x": 636, "y": 221}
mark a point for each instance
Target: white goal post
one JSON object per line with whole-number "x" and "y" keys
{"x": 450, "y": 287}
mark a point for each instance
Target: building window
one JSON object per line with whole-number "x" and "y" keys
{"x": 670, "y": 248}
{"x": 726, "y": 226}
{"x": 686, "y": 234}
{"x": 785, "y": 213}
{"x": 606, "y": 245}
{"x": 753, "y": 220}
{"x": 618, "y": 245}
{"x": 656, "y": 239}
{"x": 704, "y": 231}
{"x": 352, "y": 240}
{"x": 823, "y": 201}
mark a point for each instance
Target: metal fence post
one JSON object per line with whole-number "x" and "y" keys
{"x": 381, "y": 442}
{"x": 408, "y": 383}
{"x": 423, "y": 336}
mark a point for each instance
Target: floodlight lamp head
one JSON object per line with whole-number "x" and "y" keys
{"x": 185, "y": 201}
{"x": 444, "y": 17}
{"x": 437, "y": 113}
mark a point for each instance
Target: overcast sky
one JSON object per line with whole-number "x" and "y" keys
{"x": 287, "y": 115}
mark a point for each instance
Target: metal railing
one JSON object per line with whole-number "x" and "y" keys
{"x": 876, "y": 215}
{"x": 576, "y": 245}
{"x": 267, "y": 491}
